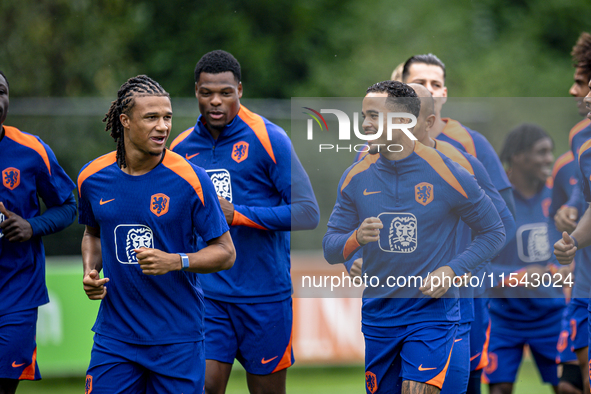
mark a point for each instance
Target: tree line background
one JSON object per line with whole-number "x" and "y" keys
{"x": 75, "y": 49}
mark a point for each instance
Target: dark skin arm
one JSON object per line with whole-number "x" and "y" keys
{"x": 227, "y": 209}
{"x": 217, "y": 256}
{"x": 92, "y": 261}
{"x": 14, "y": 227}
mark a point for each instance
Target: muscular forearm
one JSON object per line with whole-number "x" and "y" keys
{"x": 91, "y": 253}
{"x": 219, "y": 255}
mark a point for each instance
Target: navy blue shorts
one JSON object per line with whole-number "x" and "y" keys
{"x": 458, "y": 373}
{"x": 419, "y": 352}
{"x": 18, "y": 349}
{"x": 258, "y": 334}
{"x": 121, "y": 367}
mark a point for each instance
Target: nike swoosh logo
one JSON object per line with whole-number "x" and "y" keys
{"x": 14, "y": 365}
{"x": 473, "y": 357}
{"x": 426, "y": 369}
{"x": 263, "y": 361}
{"x": 190, "y": 157}
{"x": 366, "y": 193}
{"x": 457, "y": 340}
{"x": 104, "y": 202}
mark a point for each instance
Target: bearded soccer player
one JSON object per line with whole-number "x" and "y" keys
{"x": 264, "y": 193}
{"x": 395, "y": 198}
{"x": 459, "y": 368}
{"x": 429, "y": 71}
{"x": 567, "y": 204}
{"x": 142, "y": 206}
{"x": 28, "y": 169}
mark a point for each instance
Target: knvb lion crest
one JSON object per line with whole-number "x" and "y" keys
{"x": 129, "y": 237}
{"x": 222, "y": 183}
{"x": 11, "y": 178}
{"x": 401, "y": 236}
{"x": 240, "y": 151}
{"x": 371, "y": 382}
{"x": 88, "y": 388}
{"x": 159, "y": 204}
{"x": 424, "y": 193}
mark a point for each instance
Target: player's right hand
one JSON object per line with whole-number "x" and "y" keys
{"x": 369, "y": 231}
{"x": 565, "y": 249}
{"x": 94, "y": 286}
{"x": 566, "y": 219}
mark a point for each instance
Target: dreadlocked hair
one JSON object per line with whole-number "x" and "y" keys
{"x": 581, "y": 52}
{"x": 521, "y": 139}
{"x": 141, "y": 85}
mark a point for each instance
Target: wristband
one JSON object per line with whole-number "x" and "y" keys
{"x": 184, "y": 261}
{"x": 575, "y": 241}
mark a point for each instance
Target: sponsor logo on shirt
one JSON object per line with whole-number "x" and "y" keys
{"x": 424, "y": 193}
{"x": 532, "y": 243}
{"x": 11, "y": 178}
{"x": 129, "y": 237}
{"x": 401, "y": 234}
{"x": 222, "y": 183}
{"x": 240, "y": 151}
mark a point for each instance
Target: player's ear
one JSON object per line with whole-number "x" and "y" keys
{"x": 124, "y": 119}
{"x": 444, "y": 99}
{"x": 196, "y": 89}
{"x": 239, "y": 90}
{"x": 430, "y": 121}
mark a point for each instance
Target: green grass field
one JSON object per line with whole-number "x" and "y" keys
{"x": 300, "y": 380}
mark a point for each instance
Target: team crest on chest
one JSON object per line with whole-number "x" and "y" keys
{"x": 222, "y": 183}
{"x": 129, "y": 237}
{"x": 11, "y": 178}
{"x": 240, "y": 151}
{"x": 400, "y": 232}
{"x": 532, "y": 243}
{"x": 424, "y": 193}
{"x": 159, "y": 204}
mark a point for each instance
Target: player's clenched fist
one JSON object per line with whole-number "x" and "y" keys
{"x": 565, "y": 249}
{"x": 369, "y": 231}
{"x": 157, "y": 262}
{"x": 94, "y": 286}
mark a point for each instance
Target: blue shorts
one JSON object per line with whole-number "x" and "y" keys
{"x": 258, "y": 335}
{"x": 506, "y": 350}
{"x": 419, "y": 352}
{"x": 574, "y": 334}
{"x": 18, "y": 349}
{"x": 480, "y": 335}
{"x": 121, "y": 367}
{"x": 458, "y": 373}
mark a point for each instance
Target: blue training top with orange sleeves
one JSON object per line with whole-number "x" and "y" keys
{"x": 513, "y": 304}
{"x": 253, "y": 165}
{"x": 563, "y": 181}
{"x": 162, "y": 209}
{"x": 578, "y": 135}
{"x": 28, "y": 169}
{"x": 476, "y": 168}
{"x": 420, "y": 200}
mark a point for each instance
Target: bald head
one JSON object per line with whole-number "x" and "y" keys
{"x": 426, "y": 99}
{"x": 426, "y": 116}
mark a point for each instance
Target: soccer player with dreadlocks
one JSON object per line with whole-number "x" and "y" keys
{"x": 142, "y": 206}
{"x": 28, "y": 169}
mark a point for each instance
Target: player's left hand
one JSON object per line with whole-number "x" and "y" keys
{"x": 438, "y": 282}
{"x": 157, "y": 262}
{"x": 227, "y": 209}
{"x": 14, "y": 227}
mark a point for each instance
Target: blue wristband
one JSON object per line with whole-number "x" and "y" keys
{"x": 184, "y": 261}
{"x": 575, "y": 241}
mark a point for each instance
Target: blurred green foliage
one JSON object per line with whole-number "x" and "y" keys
{"x": 306, "y": 48}
{"x": 289, "y": 48}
